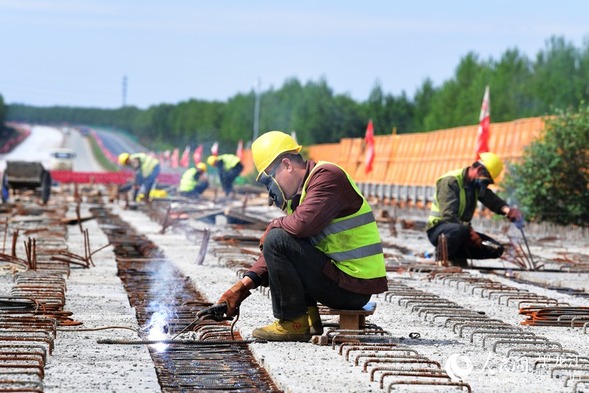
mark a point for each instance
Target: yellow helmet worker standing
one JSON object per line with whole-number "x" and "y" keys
{"x": 454, "y": 204}
{"x": 326, "y": 249}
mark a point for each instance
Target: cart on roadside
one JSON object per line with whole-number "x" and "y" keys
{"x": 26, "y": 175}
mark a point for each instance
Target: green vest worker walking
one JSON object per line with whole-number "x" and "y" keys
{"x": 194, "y": 181}
{"x": 457, "y": 193}
{"x": 229, "y": 167}
{"x": 326, "y": 249}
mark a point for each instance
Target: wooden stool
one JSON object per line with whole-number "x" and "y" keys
{"x": 353, "y": 319}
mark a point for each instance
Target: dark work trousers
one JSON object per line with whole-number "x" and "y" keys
{"x": 295, "y": 274}
{"x": 457, "y": 236}
{"x": 147, "y": 182}
{"x": 196, "y": 191}
{"x": 227, "y": 177}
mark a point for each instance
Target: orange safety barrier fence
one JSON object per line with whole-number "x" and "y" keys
{"x": 419, "y": 159}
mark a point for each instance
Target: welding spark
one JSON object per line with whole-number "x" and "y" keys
{"x": 157, "y": 330}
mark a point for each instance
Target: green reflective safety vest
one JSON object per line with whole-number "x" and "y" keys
{"x": 188, "y": 182}
{"x": 147, "y": 162}
{"x": 435, "y": 215}
{"x": 352, "y": 242}
{"x": 229, "y": 160}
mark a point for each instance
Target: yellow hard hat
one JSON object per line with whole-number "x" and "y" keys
{"x": 201, "y": 166}
{"x": 123, "y": 157}
{"x": 493, "y": 164}
{"x": 270, "y": 145}
{"x": 212, "y": 160}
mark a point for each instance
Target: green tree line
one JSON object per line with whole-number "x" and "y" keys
{"x": 557, "y": 78}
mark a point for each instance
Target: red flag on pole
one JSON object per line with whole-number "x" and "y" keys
{"x": 484, "y": 122}
{"x": 369, "y": 142}
{"x": 185, "y": 160}
{"x": 174, "y": 158}
{"x": 239, "y": 152}
{"x": 215, "y": 149}
{"x": 197, "y": 155}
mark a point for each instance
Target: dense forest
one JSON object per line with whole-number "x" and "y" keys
{"x": 558, "y": 78}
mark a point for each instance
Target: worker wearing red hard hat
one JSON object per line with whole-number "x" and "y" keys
{"x": 326, "y": 249}
{"x": 454, "y": 204}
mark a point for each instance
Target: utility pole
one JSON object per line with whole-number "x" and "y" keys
{"x": 257, "y": 109}
{"x": 124, "y": 91}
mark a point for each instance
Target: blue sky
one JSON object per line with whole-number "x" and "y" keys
{"x": 76, "y": 53}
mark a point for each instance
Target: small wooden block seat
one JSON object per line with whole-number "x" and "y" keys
{"x": 353, "y": 319}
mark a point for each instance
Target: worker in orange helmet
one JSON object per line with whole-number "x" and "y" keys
{"x": 147, "y": 169}
{"x": 229, "y": 167}
{"x": 327, "y": 249}
{"x": 194, "y": 181}
{"x": 453, "y": 207}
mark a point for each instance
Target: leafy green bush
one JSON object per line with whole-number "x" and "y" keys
{"x": 551, "y": 183}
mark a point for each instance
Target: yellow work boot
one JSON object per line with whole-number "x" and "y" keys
{"x": 315, "y": 325}
{"x": 280, "y": 330}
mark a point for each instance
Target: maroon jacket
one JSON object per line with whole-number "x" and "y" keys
{"x": 329, "y": 195}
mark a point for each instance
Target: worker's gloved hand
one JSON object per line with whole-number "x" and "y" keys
{"x": 474, "y": 239}
{"x": 233, "y": 297}
{"x": 516, "y": 217}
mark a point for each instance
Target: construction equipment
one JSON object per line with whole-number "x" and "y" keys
{"x": 29, "y": 175}
{"x": 532, "y": 263}
{"x": 215, "y": 312}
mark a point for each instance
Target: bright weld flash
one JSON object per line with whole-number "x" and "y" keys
{"x": 158, "y": 323}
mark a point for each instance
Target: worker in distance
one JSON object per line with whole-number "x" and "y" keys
{"x": 194, "y": 181}
{"x": 147, "y": 169}
{"x": 454, "y": 204}
{"x": 229, "y": 166}
{"x": 326, "y": 249}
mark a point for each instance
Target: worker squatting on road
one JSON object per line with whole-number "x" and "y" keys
{"x": 194, "y": 181}
{"x": 454, "y": 204}
{"x": 229, "y": 167}
{"x": 147, "y": 169}
{"x": 326, "y": 249}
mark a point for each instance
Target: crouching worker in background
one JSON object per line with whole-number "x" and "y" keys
{"x": 147, "y": 169}
{"x": 453, "y": 207}
{"x": 229, "y": 167}
{"x": 327, "y": 248}
{"x": 194, "y": 181}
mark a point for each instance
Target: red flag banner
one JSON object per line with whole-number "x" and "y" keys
{"x": 197, "y": 155}
{"x": 215, "y": 149}
{"x": 369, "y": 143}
{"x": 174, "y": 158}
{"x": 185, "y": 160}
{"x": 484, "y": 123}
{"x": 239, "y": 152}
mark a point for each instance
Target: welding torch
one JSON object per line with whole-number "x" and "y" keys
{"x": 215, "y": 312}
{"x": 519, "y": 224}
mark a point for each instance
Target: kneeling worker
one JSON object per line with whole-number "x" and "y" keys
{"x": 327, "y": 248}
{"x": 453, "y": 207}
{"x": 194, "y": 181}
